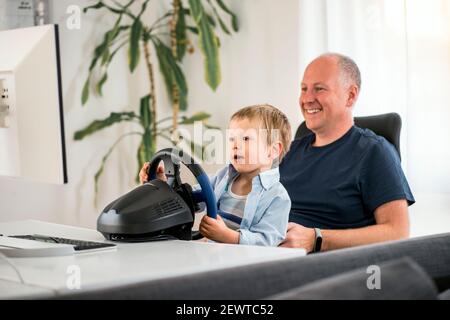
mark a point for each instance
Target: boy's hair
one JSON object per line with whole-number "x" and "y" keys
{"x": 272, "y": 119}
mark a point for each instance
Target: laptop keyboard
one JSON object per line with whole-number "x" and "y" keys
{"x": 78, "y": 245}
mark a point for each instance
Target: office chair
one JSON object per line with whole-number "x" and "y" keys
{"x": 387, "y": 125}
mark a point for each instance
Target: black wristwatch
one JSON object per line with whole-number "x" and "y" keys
{"x": 318, "y": 241}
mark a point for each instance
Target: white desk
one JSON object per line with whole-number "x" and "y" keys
{"x": 130, "y": 263}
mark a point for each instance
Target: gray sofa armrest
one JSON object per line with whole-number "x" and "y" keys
{"x": 445, "y": 295}
{"x": 401, "y": 279}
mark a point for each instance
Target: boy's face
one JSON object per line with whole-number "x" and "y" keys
{"x": 248, "y": 147}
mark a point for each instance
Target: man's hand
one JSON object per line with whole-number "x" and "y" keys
{"x": 217, "y": 230}
{"x": 392, "y": 223}
{"x": 160, "y": 172}
{"x": 299, "y": 236}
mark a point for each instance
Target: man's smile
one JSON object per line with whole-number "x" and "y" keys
{"x": 312, "y": 111}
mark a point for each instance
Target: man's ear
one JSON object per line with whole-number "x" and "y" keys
{"x": 353, "y": 92}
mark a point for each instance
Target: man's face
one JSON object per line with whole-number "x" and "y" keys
{"x": 324, "y": 99}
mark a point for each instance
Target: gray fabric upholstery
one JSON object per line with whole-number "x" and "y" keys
{"x": 258, "y": 281}
{"x": 401, "y": 279}
{"x": 445, "y": 295}
{"x": 387, "y": 125}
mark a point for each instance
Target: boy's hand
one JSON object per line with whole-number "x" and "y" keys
{"x": 160, "y": 172}
{"x": 217, "y": 230}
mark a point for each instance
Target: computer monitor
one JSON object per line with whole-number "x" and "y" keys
{"x": 32, "y": 143}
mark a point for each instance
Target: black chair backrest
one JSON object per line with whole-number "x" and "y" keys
{"x": 387, "y": 125}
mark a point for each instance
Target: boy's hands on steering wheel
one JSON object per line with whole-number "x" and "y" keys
{"x": 160, "y": 172}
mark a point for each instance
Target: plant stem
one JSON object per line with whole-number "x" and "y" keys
{"x": 152, "y": 91}
{"x": 175, "y": 91}
{"x": 156, "y": 24}
{"x": 167, "y": 138}
{"x": 124, "y": 9}
{"x": 105, "y": 157}
{"x": 164, "y": 119}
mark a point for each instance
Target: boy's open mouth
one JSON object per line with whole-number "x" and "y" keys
{"x": 237, "y": 157}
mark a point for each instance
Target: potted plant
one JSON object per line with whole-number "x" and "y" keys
{"x": 182, "y": 22}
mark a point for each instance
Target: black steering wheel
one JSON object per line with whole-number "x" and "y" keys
{"x": 172, "y": 158}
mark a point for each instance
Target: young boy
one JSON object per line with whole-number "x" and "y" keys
{"x": 255, "y": 203}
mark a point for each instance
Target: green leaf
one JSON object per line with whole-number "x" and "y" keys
{"x": 109, "y": 37}
{"x": 134, "y": 50}
{"x": 103, "y": 51}
{"x": 141, "y": 159}
{"x": 85, "y": 93}
{"x": 222, "y": 24}
{"x": 234, "y": 19}
{"x": 145, "y": 114}
{"x": 192, "y": 29}
{"x": 199, "y": 116}
{"x": 183, "y": 101}
{"x": 180, "y": 31}
{"x": 145, "y": 152}
{"x": 208, "y": 44}
{"x": 93, "y": 62}
{"x": 101, "y": 83}
{"x": 149, "y": 148}
{"x": 164, "y": 67}
{"x": 211, "y": 20}
{"x": 218, "y": 42}
{"x": 105, "y": 56}
{"x": 111, "y": 56}
{"x": 208, "y": 126}
{"x": 178, "y": 75}
{"x": 172, "y": 73}
{"x": 98, "y": 125}
{"x": 143, "y": 8}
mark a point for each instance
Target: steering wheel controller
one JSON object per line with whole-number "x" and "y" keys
{"x": 172, "y": 158}
{"x": 158, "y": 210}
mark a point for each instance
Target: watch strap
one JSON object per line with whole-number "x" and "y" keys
{"x": 318, "y": 240}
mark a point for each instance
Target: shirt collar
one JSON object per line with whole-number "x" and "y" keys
{"x": 266, "y": 178}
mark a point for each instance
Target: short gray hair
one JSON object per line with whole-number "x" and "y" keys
{"x": 348, "y": 67}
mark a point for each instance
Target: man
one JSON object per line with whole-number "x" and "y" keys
{"x": 342, "y": 179}
{"x": 346, "y": 184}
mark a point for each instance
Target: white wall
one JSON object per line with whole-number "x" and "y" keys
{"x": 259, "y": 64}
{"x": 403, "y": 49}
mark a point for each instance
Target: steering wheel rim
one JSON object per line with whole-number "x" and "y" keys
{"x": 172, "y": 157}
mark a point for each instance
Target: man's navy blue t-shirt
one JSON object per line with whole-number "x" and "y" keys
{"x": 340, "y": 185}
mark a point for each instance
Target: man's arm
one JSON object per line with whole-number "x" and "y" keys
{"x": 392, "y": 223}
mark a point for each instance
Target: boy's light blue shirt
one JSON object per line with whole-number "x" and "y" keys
{"x": 267, "y": 208}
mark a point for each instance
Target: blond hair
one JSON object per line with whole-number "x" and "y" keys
{"x": 272, "y": 120}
